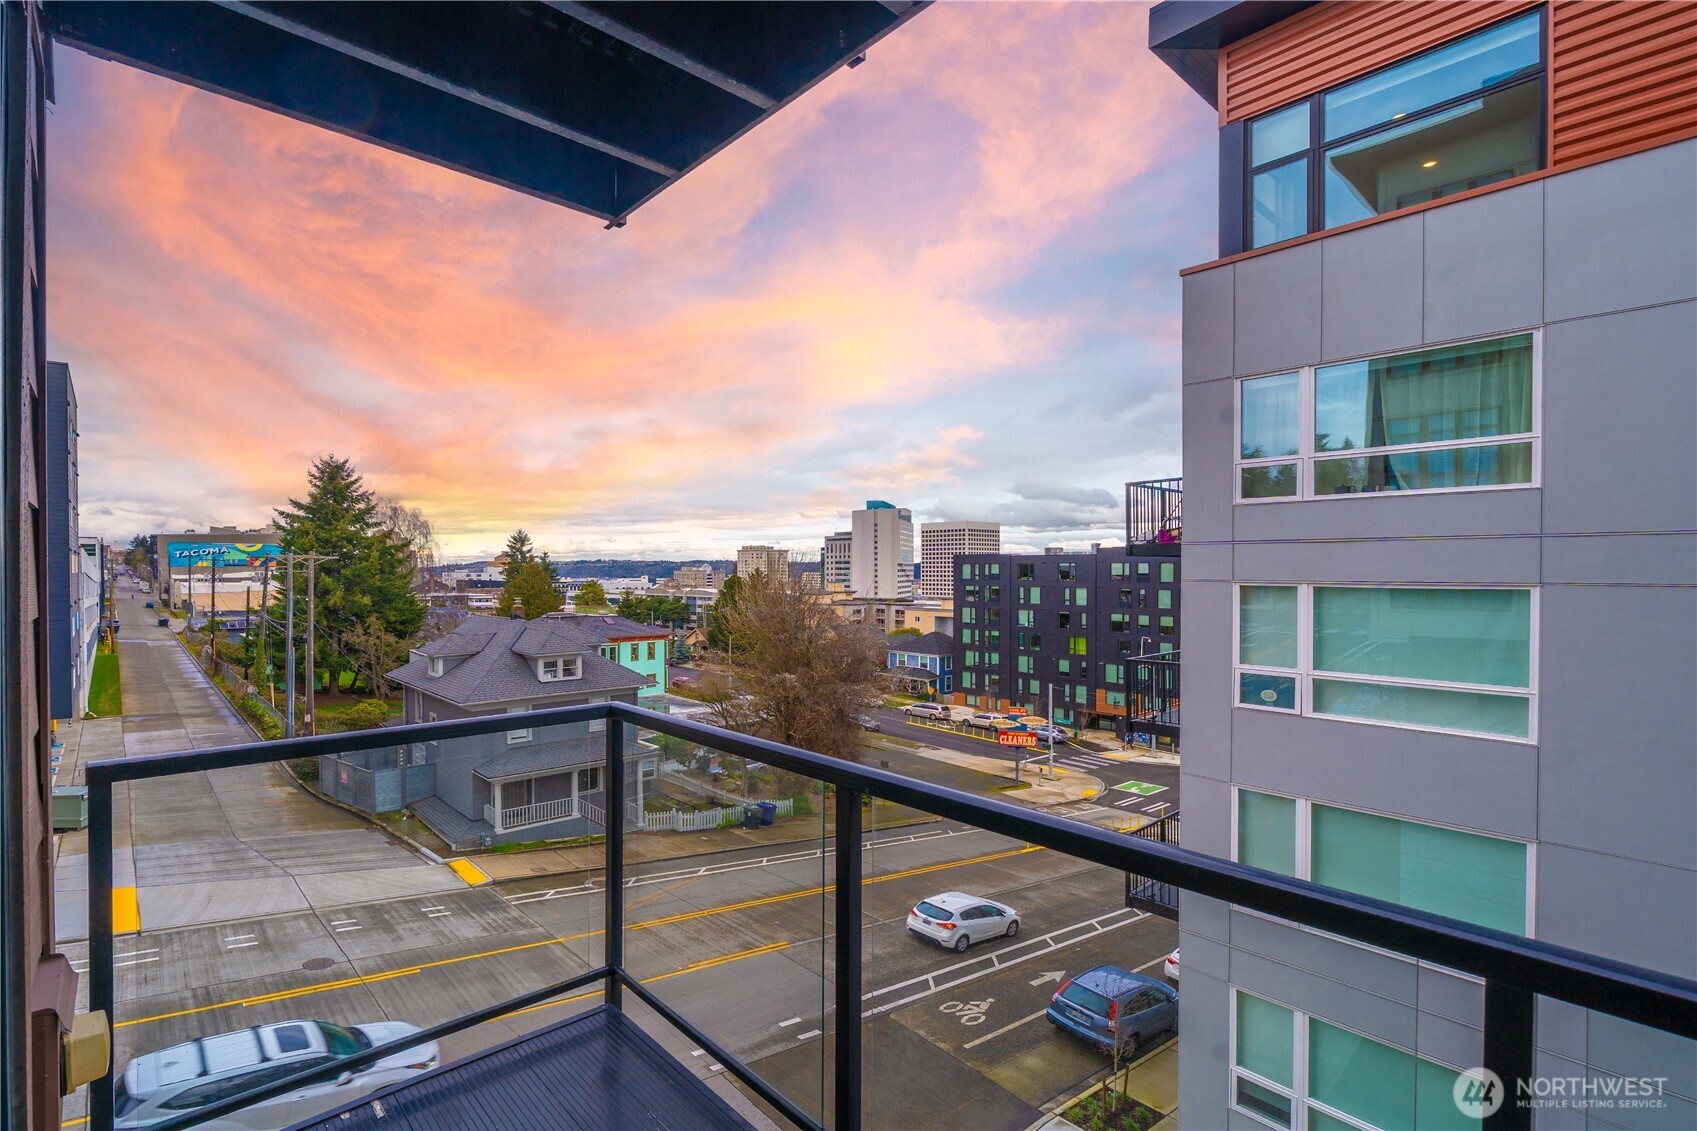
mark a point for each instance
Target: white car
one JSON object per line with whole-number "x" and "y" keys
{"x": 1170, "y": 966}
{"x": 955, "y": 919}
{"x": 170, "y": 1082}
{"x": 926, "y": 710}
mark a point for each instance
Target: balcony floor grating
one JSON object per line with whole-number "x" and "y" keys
{"x": 594, "y": 1071}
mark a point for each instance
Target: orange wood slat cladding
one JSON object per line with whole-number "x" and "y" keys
{"x": 1339, "y": 40}
{"x": 1623, "y": 76}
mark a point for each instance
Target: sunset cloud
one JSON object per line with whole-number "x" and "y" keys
{"x": 934, "y": 275}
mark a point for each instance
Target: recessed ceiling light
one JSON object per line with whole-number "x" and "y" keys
{"x": 1427, "y": 164}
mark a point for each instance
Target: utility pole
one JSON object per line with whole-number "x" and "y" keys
{"x": 311, "y": 616}
{"x": 289, "y": 650}
{"x": 212, "y": 613}
{"x": 265, "y": 630}
{"x": 1051, "y": 730}
{"x": 311, "y": 560}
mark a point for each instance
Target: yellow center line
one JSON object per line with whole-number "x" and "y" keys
{"x": 648, "y": 924}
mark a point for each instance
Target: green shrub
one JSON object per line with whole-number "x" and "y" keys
{"x": 253, "y": 709}
{"x": 305, "y": 769}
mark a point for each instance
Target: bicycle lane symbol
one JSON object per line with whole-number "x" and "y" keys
{"x": 968, "y": 1012}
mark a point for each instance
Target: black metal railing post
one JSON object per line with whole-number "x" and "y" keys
{"x": 848, "y": 915}
{"x": 613, "y": 929}
{"x": 1510, "y": 1025}
{"x": 100, "y": 972}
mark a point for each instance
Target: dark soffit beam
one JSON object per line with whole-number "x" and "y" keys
{"x": 228, "y": 53}
{"x": 677, "y": 57}
{"x": 1187, "y": 35}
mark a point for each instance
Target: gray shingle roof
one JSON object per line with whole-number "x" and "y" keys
{"x": 539, "y": 758}
{"x": 609, "y": 627}
{"x": 497, "y": 673}
{"x": 931, "y": 644}
{"x": 914, "y": 673}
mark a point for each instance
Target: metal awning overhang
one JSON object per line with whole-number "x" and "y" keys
{"x": 596, "y": 106}
{"x": 1187, "y": 35}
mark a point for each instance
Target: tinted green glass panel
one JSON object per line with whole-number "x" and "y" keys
{"x": 1360, "y": 1077}
{"x": 1320, "y": 1121}
{"x": 1167, "y": 573}
{"x": 1266, "y": 832}
{"x": 1477, "y": 879}
{"x": 1483, "y": 465}
{"x": 1438, "y": 708}
{"x": 1267, "y": 481}
{"x": 1267, "y": 626}
{"x": 1481, "y": 636}
{"x": 1265, "y": 1039}
{"x": 1452, "y": 393}
{"x": 1434, "y": 1100}
{"x": 1259, "y": 690}
{"x": 1271, "y": 415}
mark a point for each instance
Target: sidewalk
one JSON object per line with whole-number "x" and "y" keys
{"x": 794, "y": 834}
{"x": 1151, "y": 1081}
{"x": 1065, "y": 786}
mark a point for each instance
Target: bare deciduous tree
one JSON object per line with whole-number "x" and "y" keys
{"x": 413, "y": 532}
{"x": 803, "y": 672}
{"x": 373, "y": 654}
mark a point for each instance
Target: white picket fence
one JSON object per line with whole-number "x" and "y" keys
{"x": 681, "y": 822}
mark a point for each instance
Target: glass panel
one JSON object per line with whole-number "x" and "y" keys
{"x": 1278, "y": 134}
{"x": 1265, "y": 1102}
{"x": 1320, "y": 1121}
{"x": 1269, "y": 481}
{"x": 1465, "y": 147}
{"x": 1167, "y": 573}
{"x": 1271, "y": 414}
{"x": 1475, "y": 63}
{"x": 1258, "y": 690}
{"x": 1484, "y": 465}
{"x": 1266, "y": 834}
{"x": 1278, "y": 203}
{"x": 1478, "y": 879}
{"x": 1439, "y": 709}
{"x": 1453, "y": 393}
{"x": 1265, "y": 1039}
{"x": 1360, "y": 1077}
{"x": 1266, "y": 625}
{"x": 1481, "y": 636}
{"x": 1435, "y": 1108}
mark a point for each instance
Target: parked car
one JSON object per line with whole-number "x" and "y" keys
{"x": 867, "y": 722}
{"x": 170, "y": 1082}
{"x": 926, "y": 710}
{"x": 1170, "y": 966}
{"x": 989, "y": 720}
{"x": 954, "y": 919}
{"x": 1048, "y": 730}
{"x": 1107, "y": 1005}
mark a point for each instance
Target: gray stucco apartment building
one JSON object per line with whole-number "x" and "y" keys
{"x": 1440, "y": 407}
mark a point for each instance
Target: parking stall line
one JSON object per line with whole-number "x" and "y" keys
{"x": 1008, "y": 1028}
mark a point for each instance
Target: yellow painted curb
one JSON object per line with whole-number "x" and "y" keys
{"x": 469, "y": 872}
{"x": 126, "y": 911}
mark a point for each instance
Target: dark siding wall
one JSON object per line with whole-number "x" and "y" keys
{"x": 60, "y": 538}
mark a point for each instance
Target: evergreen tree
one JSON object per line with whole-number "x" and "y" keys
{"x": 519, "y": 550}
{"x": 591, "y": 596}
{"x": 533, "y": 585}
{"x": 371, "y": 572}
{"x": 718, "y": 627}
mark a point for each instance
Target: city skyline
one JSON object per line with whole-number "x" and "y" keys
{"x": 721, "y": 370}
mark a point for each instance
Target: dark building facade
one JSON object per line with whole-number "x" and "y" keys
{"x": 1099, "y": 627}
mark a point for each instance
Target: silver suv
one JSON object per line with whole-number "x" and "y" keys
{"x": 162, "y": 1085}
{"x": 926, "y": 710}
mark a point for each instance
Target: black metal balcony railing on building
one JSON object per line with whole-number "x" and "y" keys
{"x": 1154, "y": 513}
{"x": 594, "y": 1057}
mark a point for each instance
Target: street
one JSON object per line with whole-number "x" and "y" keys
{"x": 734, "y": 941}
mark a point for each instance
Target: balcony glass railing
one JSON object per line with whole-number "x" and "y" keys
{"x": 817, "y": 963}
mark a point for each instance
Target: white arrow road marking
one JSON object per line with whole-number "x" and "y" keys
{"x": 1047, "y": 976}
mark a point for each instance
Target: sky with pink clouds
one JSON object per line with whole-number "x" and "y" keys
{"x": 947, "y": 278}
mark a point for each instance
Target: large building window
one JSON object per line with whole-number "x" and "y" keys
{"x": 1459, "y": 117}
{"x": 1464, "y": 875}
{"x": 1457, "y": 660}
{"x": 1291, "y": 1069}
{"x": 1452, "y": 418}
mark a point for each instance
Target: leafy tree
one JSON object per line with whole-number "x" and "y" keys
{"x": 804, "y": 672}
{"x": 718, "y": 634}
{"x": 907, "y": 632}
{"x": 533, "y": 586}
{"x": 370, "y": 573}
{"x": 671, "y": 611}
{"x": 374, "y": 653}
{"x": 591, "y": 596}
{"x": 519, "y": 550}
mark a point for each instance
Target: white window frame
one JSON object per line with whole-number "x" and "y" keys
{"x": 1304, "y": 859}
{"x": 1306, "y": 456}
{"x": 1300, "y": 1101}
{"x": 514, "y": 736}
{"x": 435, "y": 665}
{"x": 1305, "y": 674}
{"x": 576, "y": 671}
{"x": 434, "y": 741}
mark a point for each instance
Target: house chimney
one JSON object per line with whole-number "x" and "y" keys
{"x": 518, "y": 609}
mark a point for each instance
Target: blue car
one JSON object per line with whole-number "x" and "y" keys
{"x": 1107, "y": 1005}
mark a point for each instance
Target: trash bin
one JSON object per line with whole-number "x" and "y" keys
{"x": 149, "y": 605}
{"x": 750, "y": 817}
{"x": 163, "y": 621}
{"x": 70, "y": 807}
{"x": 768, "y": 811}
